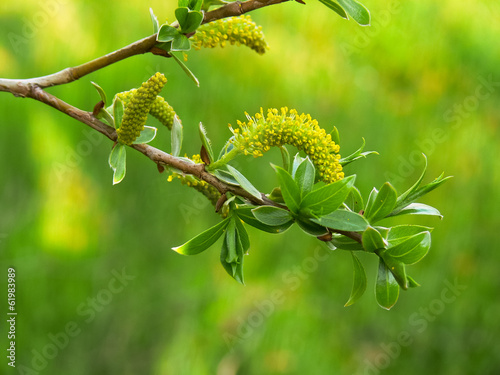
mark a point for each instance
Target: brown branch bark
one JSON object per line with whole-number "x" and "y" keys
{"x": 33, "y": 88}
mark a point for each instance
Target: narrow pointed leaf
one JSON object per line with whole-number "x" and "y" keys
{"x": 346, "y": 243}
{"x": 202, "y": 241}
{"x": 382, "y": 204}
{"x": 328, "y": 198}
{"x": 101, "y": 92}
{"x": 146, "y": 136}
{"x": 358, "y": 154}
{"x": 357, "y": 11}
{"x": 206, "y": 142}
{"x": 397, "y": 269}
{"x": 335, "y": 7}
{"x": 386, "y": 287}
{"x": 411, "y": 282}
{"x": 310, "y": 227}
{"x": 289, "y": 189}
{"x": 118, "y": 112}
{"x": 247, "y": 216}
{"x": 118, "y": 162}
{"x": 245, "y": 184}
{"x": 186, "y": 69}
{"x": 232, "y": 255}
{"x": 354, "y": 200}
{"x": 304, "y": 176}
{"x": 225, "y": 176}
{"x": 401, "y": 233}
{"x": 359, "y": 282}
{"x": 285, "y": 156}
{"x": 412, "y": 250}
{"x": 297, "y": 160}
{"x": 418, "y": 209}
{"x": 335, "y": 135}
{"x": 343, "y": 220}
{"x": 176, "y": 137}
{"x": 156, "y": 25}
{"x": 273, "y": 216}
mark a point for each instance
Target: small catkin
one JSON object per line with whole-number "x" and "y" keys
{"x": 203, "y": 187}
{"x": 233, "y": 30}
{"x": 136, "y": 111}
{"x": 160, "y": 109}
{"x": 278, "y": 128}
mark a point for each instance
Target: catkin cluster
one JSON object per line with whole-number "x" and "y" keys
{"x": 202, "y": 186}
{"x": 160, "y": 109}
{"x": 278, "y": 128}
{"x": 233, "y": 30}
{"x": 138, "y": 107}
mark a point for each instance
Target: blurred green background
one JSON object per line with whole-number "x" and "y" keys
{"x": 425, "y": 77}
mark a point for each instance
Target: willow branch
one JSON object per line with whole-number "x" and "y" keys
{"x": 20, "y": 87}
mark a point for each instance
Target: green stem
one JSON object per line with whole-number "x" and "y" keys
{"x": 224, "y": 160}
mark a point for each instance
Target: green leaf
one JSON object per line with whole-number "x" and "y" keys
{"x": 386, "y": 287}
{"x": 146, "y": 136}
{"x": 245, "y": 214}
{"x": 180, "y": 43}
{"x": 203, "y": 240}
{"x": 335, "y": 135}
{"x": 411, "y": 250}
{"x": 232, "y": 254}
{"x": 118, "y": 112}
{"x": 304, "y": 176}
{"x": 418, "y": 209}
{"x": 167, "y": 33}
{"x": 358, "y": 154}
{"x": 156, "y": 25}
{"x": 101, "y": 92}
{"x": 343, "y": 220}
{"x": 357, "y": 11}
{"x": 186, "y": 70}
{"x": 242, "y": 233}
{"x": 382, "y": 204}
{"x": 373, "y": 240}
{"x": 226, "y": 177}
{"x": 328, "y": 198}
{"x": 359, "y": 283}
{"x": 335, "y": 7}
{"x": 415, "y": 192}
{"x": 206, "y": 142}
{"x": 189, "y": 20}
{"x": 400, "y": 233}
{"x": 118, "y": 162}
{"x": 245, "y": 184}
{"x": 297, "y": 160}
{"x": 273, "y": 216}
{"x": 285, "y": 156}
{"x": 354, "y": 200}
{"x": 397, "y": 269}
{"x": 346, "y": 243}
{"x": 289, "y": 189}
{"x": 176, "y": 137}
{"x": 106, "y": 116}
{"x": 310, "y": 227}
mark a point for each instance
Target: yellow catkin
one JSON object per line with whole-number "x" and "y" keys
{"x": 203, "y": 187}
{"x": 233, "y": 30}
{"x": 278, "y": 128}
{"x": 160, "y": 109}
{"x": 138, "y": 107}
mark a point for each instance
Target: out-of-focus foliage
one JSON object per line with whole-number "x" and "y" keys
{"x": 423, "y": 78}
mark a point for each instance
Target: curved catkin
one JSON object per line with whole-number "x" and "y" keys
{"x": 160, "y": 109}
{"x": 138, "y": 107}
{"x": 233, "y": 30}
{"x": 278, "y": 128}
{"x": 203, "y": 187}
